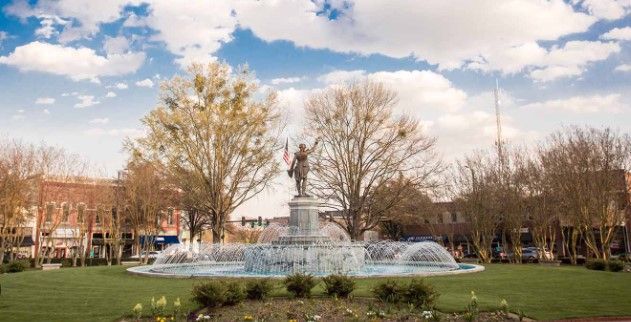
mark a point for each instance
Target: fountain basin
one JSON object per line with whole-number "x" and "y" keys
{"x": 236, "y": 270}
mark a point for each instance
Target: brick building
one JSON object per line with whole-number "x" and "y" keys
{"x": 85, "y": 213}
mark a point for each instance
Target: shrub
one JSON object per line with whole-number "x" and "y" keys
{"x": 596, "y": 264}
{"x": 338, "y": 285}
{"x": 235, "y": 293}
{"x": 258, "y": 289}
{"x": 615, "y": 266}
{"x": 389, "y": 291}
{"x": 420, "y": 294}
{"x": 210, "y": 294}
{"x": 15, "y": 267}
{"x": 300, "y": 285}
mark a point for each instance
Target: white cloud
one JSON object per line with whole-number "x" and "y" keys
{"x": 285, "y": 80}
{"x": 3, "y": 36}
{"x": 121, "y": 85}
{"x": 582, "y": 104}
{"x": 86, "y": 101}
{"x": 192, "y": 30}
{"x": 623, "y": 68}
{"x": 427, "y": 30}
{"x": 76, "y": 63}
{"x": 85, "y": 17}
{"x": 47, "y": 27}
{"x": 45, "y": 101}
{"x": 145, "y": 83}
{"x": 572, "y": 59}
{"x": 510, "y": 60}
{"x": 618, "y": 34}
{"x": 99, "y": 121}
{"x": 417, "y": 90}
{"x": 134, "y": 21}
{"x": 547, "y": 65}
{"x": 46, "y": 111}
{"x": 342, "y": 76}
{"x": 116, "y": 45}
{"x": 504, "y": 35}
{"x": 605, "y": 9}
{"x": 110, "y": 94}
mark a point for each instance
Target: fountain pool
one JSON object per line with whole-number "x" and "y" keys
{"x": 305, "y": 246}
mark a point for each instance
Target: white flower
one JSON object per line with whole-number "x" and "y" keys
{"x": 427, "y": 314}
{"x": 316, "y": 317}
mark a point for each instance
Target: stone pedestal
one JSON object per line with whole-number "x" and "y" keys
{"x": 304, "y": 224}
{"x": 303, "y": 214}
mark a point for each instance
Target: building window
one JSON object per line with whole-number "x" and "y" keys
{"x": 66, "y": 211}
{"x": 80, "y": 212}
{"x": 97, "y": 217}
{"x": 159, "y": 219}
{"x": 50, "y": 208}
{"x": 170, "y": 216}
{"x": 454, "y": 217}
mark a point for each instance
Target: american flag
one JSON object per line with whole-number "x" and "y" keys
{"x": 286, "y": 156}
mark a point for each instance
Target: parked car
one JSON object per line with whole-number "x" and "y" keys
{"x": 533, "y": 253}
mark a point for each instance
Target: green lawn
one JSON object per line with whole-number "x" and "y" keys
{"x": 105, "y": 294}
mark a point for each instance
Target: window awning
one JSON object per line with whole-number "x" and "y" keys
{"x": 160, "y": 240}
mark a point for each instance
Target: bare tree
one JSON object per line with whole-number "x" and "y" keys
{"x": 60, "y": 170}
{"x": 195, "y": 221}
{"x": 541, "y": 204}
{"x": 365, "y": 146}
{"x": 243, "y": 235}
{"x": 413, "y": 207}
{"x": 18, "y": 174}
{"x": 476, "y": 194}
{"x": 215, "y": 138}
{"x": 146, "y": 196}
{"x": 587, "y": 167}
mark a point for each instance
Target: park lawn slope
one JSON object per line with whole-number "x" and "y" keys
{"x": 107, "y": 293}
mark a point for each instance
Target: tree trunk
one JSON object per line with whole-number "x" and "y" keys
{"x": 216, "y": 236}
{"x": 191, "y": 236}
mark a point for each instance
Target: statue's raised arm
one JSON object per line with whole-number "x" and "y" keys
{"x": 314, "y": 146}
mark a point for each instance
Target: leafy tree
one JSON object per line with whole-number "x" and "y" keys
{"x": 214, "y": 138}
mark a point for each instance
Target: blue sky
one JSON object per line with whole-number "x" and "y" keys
{"x": 80, "y": 74}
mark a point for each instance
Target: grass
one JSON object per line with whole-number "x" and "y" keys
{"x": 108, "y": 293}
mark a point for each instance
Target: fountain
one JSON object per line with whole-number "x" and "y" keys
{"x": 304, "y": 246}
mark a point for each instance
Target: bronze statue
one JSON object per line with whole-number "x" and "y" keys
{"x": 300, "y": 167}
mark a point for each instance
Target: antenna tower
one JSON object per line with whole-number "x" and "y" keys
{"x": 498, "y": 120}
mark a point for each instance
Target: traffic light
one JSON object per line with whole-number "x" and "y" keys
{"x": 243, "y": 221}
{"x": 260, "y": 221}
{"x": 251, "y": 224}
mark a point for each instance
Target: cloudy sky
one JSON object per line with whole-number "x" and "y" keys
{"x": 80, "y": 74}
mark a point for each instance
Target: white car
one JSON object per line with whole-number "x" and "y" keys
{"x": 532, "y": 253}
